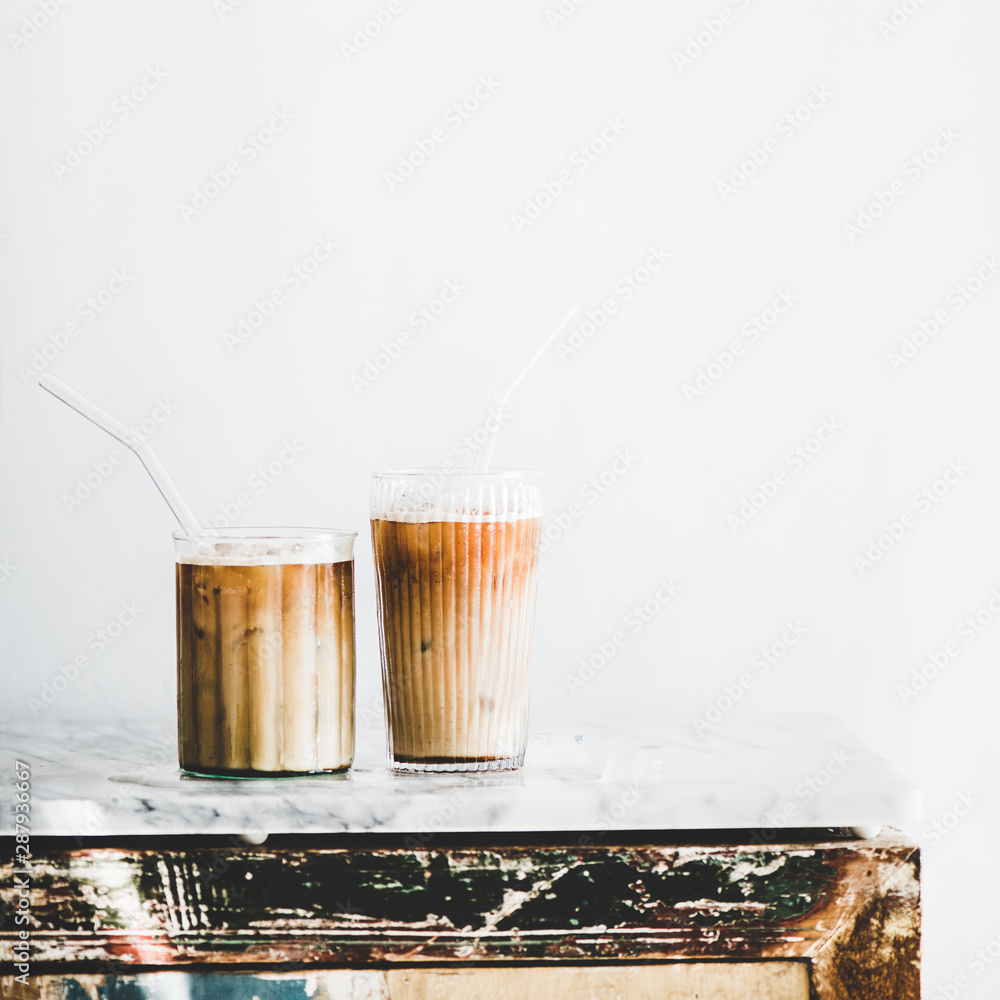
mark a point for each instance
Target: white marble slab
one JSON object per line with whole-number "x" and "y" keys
{"x": 635, "y": 774}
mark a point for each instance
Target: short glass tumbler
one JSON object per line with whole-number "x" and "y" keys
{"x": 456, "y": 556}
{"x": 265, "y": 651}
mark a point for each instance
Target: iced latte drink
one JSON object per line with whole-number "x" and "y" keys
{"x": 265, "y": 651}
{"x": 455, "y": 561}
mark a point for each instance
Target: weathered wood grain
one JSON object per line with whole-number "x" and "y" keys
{"x": 876, "y": 950}
{"x": 270, "y": 905}
{"x": 673, "y": 981}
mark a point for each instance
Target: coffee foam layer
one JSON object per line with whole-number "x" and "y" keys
{"x": 266, "y": 552}
{"x": 432, "y": 516}
{"x": 428, "y": 496}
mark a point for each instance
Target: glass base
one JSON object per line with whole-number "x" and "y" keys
{"x": 452, "y": 764}
{"x": 205, "y": 772}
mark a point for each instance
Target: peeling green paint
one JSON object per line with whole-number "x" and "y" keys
{"x": 517, "y": 902}
{"x": 610, "y": 889}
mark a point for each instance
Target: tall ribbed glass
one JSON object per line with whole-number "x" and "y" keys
{"x": 265, "y": 651}
{"x": 456, "y": 557}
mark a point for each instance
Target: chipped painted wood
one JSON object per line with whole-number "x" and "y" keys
{"x": 876, "y": 950}
{"x": 831, "y": 904}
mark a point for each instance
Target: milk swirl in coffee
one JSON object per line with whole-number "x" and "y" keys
{"x": 456, "y": 594}
{"x": 265, "y": 656}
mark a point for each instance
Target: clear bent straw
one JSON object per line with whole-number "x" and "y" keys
{"x": 131, "y": 440}
{"x": 530, "y": 353}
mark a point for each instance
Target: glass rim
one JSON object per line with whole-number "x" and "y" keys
{"x": 263, "y": 534}
{"x": 457, "y": 472}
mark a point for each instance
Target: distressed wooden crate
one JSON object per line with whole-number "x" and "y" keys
{"x": 840, "y": 915}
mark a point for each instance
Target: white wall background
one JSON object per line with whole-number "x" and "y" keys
{"x": 882, "y": 94}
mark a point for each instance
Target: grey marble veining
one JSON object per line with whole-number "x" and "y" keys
{"x": 634, "y": 774}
